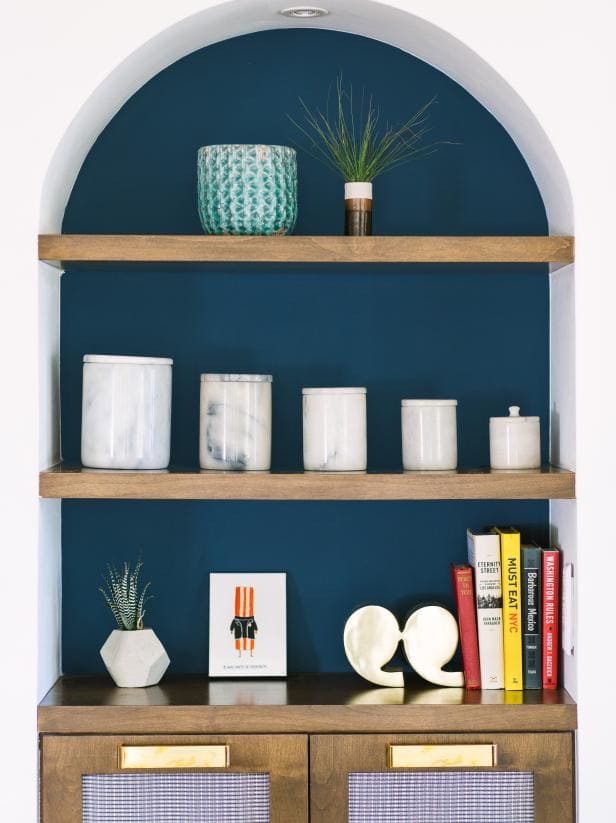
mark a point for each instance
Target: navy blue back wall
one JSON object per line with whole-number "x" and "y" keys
{"x": 476, "y": 333}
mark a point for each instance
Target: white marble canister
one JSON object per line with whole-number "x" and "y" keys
{"x": 429, "y": 435}
{"x": 126, "y": 412}
{"x": 236, "y": 422}
{"x": 334, "y": 429}
{"x": 515, "y": 441}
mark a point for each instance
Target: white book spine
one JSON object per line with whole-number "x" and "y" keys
{"x": 485, "y": 557}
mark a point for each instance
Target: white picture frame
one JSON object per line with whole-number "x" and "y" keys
{"x": 248, "y": 624}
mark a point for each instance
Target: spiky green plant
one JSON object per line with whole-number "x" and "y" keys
{"x": 122, "y": 595}
{"x": 354, "y": 143}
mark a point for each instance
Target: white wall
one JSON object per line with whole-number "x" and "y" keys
{"x": 559, "y": 57}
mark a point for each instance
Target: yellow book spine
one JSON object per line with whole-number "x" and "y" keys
{"x": 512, "y": 608}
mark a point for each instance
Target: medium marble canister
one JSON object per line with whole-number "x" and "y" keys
{"x": 236, "y": 422}
{"x": 335, "y": 429}
{"x": 429, "y": 435}
{"x": 126, "y": 412}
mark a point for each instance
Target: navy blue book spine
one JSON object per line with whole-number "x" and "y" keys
{"x": 531, "y": 617}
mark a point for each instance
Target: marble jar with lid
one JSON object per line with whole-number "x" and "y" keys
{"x": 429, "y": 435}
{"x": 334, "y": 429}
{"x": 515, "y": 441}
{"x": 235, "y": 431}
{"x": 126, "y": 412}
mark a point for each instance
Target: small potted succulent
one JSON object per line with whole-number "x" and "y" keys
{"x": 352, "y": 142}
{"x": 133, "y": 655}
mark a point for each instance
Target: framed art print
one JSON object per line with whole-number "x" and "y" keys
{"x": 248, "y": 624}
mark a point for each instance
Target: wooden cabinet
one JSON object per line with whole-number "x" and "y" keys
{"x": 534, "y": 773}
{"x": 293, "y": 740}
{"x": 83, "y": 777}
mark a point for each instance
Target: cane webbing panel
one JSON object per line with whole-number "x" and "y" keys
{"x": 176, "y": 798}
{"x": 441, "y": 797}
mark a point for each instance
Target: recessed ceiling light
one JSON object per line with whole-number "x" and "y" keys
{"x": 304, "y": 12}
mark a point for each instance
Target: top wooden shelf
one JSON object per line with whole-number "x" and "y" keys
{"x": 145, "y": 248}
{"x": 324, "y": 703}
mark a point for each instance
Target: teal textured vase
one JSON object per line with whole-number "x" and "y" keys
{"x": 247, "y": 189}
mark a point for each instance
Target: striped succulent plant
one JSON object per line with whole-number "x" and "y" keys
{"x": 121, "y": 593}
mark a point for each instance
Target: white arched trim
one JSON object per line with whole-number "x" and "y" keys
{"x": 364, "y": 17}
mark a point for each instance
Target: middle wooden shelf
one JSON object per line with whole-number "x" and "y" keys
{"x": 548, "y": 483}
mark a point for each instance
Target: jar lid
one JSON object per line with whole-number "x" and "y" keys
{"x": 236, "y": 378}
{"x": 429, "y": 402}
{"x": 514, "y": 417}
{"x": 127, "y": 360}
{"x": 337, "y": 390}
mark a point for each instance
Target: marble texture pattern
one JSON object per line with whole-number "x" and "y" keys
{"x": 134, "y": 658}
{"x": 515, "y": 441}
{"x": 126, "y": 412}
{"x": 429, "y": 435}
{"x": 235, "y": 422}
{"x": 335, "y": 429}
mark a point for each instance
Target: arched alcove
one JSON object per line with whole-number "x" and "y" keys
{"x": 376, "y": 20}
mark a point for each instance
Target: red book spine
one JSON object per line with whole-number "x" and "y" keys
{"x": 551, "y": 577}
{"x": 462, "y": 577}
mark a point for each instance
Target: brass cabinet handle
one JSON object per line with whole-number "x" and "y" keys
{"x": 455, "y": 756}
{"x": 174, "y": 757}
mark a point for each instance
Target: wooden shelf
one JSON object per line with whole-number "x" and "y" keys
{"x": 90, "y": 484}
{"x": 74, "y": 248}
{"x": 300, "y": 703}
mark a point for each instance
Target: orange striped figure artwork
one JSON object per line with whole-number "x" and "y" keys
{"x": 244, "y": 626}
{"x": 238, "y": 647}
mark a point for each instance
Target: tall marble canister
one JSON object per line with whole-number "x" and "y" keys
{"x": 126, "y": 412}
{"x": 236, "y": 422}
{"x": 429, "y": 435}
{"x": 335, "y": 429}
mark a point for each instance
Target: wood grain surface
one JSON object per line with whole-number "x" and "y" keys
{"x": 300, "y": 704}
{"x": 73, "y": 248}
{"x": 548, "y": 756}
{"x": 64, "y": 759}
{"x": 90, "y": 484}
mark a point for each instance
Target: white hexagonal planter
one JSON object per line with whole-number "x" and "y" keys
{"x": 134, "y": 658}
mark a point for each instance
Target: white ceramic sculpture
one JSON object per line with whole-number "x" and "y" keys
{"x": 430, "y": 638}
{"x": 134, "y": 658}
{"x": 371, "y": 637}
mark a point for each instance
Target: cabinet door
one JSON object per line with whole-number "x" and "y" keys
{"x": 165, "y": 779}
{"x": 531, "y": 780}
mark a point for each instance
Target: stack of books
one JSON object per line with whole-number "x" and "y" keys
{"x": 507, "y": 597}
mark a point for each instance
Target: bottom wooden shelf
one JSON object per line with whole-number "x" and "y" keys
{"x": 307, "y": 703}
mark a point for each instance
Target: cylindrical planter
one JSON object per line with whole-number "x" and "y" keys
{"x": 515, "y": 441}
{"x": 429, "y": 435}
{"x": 247, "y": 189}
{"x": 236, "y": 422}
{"x": 126, "y": 412}
{"x": 134, "y": 658}
{"x": 358, "y": 209}
{"x": 334, "y": 429}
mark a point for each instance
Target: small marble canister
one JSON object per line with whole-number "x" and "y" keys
{"x": 515, "y": 441}
{"x": 335, "y": 429}
{"x": 429, "y": 435}
{"x": 236, "y": 422}
{"x": 126, "y": 412}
